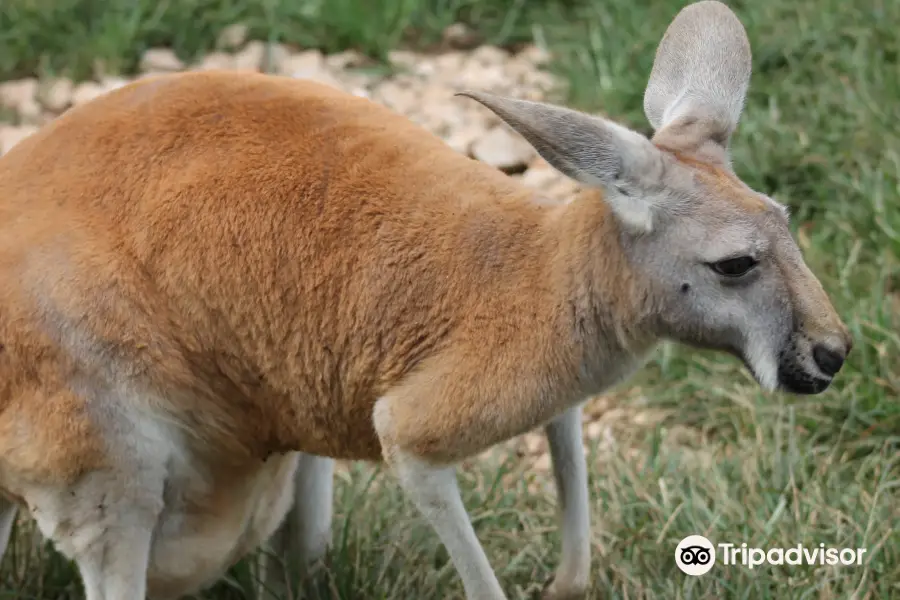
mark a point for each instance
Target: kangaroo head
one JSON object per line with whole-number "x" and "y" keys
{"x": 719, "y": 257}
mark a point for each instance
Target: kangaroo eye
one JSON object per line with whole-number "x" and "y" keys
{"x": 734, "y": 267}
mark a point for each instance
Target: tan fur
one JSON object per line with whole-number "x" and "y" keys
{"x": 723, "y": 185}
{"x": 244, "y": 335}
{"x": 200, "y": 271}
{"x": 270, "y": 287}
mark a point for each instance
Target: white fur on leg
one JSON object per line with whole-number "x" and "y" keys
{"x": 105, "y": 524}
{"x": 116, "y": 569}
{"x": 7, "y": 518}
{"x": 304, "y": 536}
{"x": 435, "y": 492}
{"x": 570, "y": 471}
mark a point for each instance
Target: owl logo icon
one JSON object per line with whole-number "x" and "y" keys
{"x": 695, "y": 555}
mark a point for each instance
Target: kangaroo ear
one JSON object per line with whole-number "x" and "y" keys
{"x": 699, "y": 80}
{"x": 590, "y": 150}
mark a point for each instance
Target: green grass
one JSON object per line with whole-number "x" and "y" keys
{"x": 699, "y": 449}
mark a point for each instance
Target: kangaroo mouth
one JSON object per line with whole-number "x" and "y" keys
{"x": 799, "y": 381}
{"x": 794, "y": 378}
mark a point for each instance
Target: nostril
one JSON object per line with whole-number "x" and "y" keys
{"x": 828, "y": 360}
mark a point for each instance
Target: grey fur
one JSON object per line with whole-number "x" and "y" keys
{"x": 701, "y": 72}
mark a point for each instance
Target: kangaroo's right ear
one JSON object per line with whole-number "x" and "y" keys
{"x": 699, "y": 80}
{"x": 591, "y": 150}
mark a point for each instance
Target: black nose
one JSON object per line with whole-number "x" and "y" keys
{"x": 828, "y": 360}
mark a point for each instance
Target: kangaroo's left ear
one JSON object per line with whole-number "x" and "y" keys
{"x": 699, "y": 81}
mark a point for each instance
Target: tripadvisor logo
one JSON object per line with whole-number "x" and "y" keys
{"x": 695, "y": 555}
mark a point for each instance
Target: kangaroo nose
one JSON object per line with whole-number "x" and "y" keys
{"x": 828, "y": 360}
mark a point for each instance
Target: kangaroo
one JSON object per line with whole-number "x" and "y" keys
{"x": 212, "y": 284}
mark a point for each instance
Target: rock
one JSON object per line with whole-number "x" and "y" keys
{"x": 232, "y": 37}
{"x": 303, "y": 65}
{"x": 85, "y": 92}
{"x": 449, "y": 114}
{"x": 348, "y": 59}
{"x": 403, "y": 58}
{"x": 502, "y": 149}
{"x": 161, "y": 59}
{"x": 489, "y": 55}
{"x": 423, "y": 90}
{"x": 30, "y": 111}
{"x": 538, "y": 80}
{"x": 439, "y": 95}
{"x": 108, "y": 84}
{"x": 425, "y": 67}
{"x": 543, "y": 463}
{"x": 535, "y": 443}
{"x": 10, "y": 135}
{"x": 448, "y": 63}
{"x": 397, "y": 97}
{"x": 273, "y": 58}
{"x": 594, "y": 431}
{"x": 460, "y": 36}
{"x": 56, "y": 95}
{"x": 535, "y": 55}
{"x": 462, "y": 139}
{"x": 478, "y": 76}
{"x": 324, "y": 77}
{"x": 251, "y": 57}
{"x": 18, "y": 92}
{"x": 216, "y": 61}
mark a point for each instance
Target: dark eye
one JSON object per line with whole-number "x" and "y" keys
{"x": 734, "y": 267}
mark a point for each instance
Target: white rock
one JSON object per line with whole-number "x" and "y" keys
{"x": 347, "y": 59}
{"x": 400, "y": 98}
{"x": 30, "y": 111}
{"x": 274, "y": 56}
{"x": 489, "y": 55}
{"x": 594, "y": 430}
{"x": 534, "y": 54}
{"x": 478, "y": 76}
{"x": 543, "y": 463}
{"x": 438, "y": 94}
{"x": 404, "y": 58}
{"x": 18, "y": 92}
{"x": 251, "y": 57}
{"x": 540, "y": 80}
{"x": 85, "y": 92}
{"x": 303, "y": 65}
{"x": 232, "y": 37}
{"x": 460, "y": 35}
{"x": 326, "y": 78}
{"x": 108, "y": 84}
{"x": 425, "y": 67}
{"x": 161, "y": 59}
{"x": 448, "y": 63}
{"x": 216, "y": 61}
{"x": 535, "y": 443}
{"x": 502, "y": 149}
{"x": 10, "y": 135}
{"x": 462, "y": 139}
{"x": 56, "y": 95}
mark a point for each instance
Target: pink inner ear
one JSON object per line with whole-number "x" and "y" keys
{"x": 704, "y": 140}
